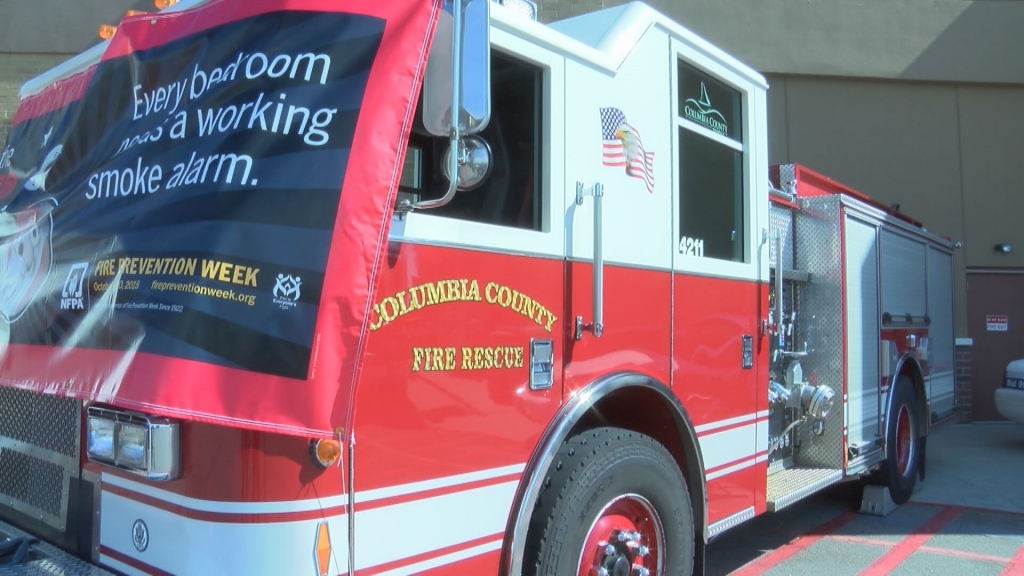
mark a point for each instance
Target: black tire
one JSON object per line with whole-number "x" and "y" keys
{"x": 901, "y": 483}
{"x": 593, "y": 469}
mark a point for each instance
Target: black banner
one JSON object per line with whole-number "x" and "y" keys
{"x": 185, "y": 204}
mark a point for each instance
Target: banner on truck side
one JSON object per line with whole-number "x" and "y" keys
{"x": 192, "y": 226}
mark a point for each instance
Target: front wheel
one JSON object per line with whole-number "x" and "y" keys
{"x": 614, "y": 503}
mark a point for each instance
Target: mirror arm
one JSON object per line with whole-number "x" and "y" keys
{"x": 454, "y": 138}
{"x": 453, "y": 169}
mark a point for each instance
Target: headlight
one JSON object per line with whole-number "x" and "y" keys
{"x": 100, "y": 438}
{"x": 132, "y": 443}
{"x": 145, "y": 445}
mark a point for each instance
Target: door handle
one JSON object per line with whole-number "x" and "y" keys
{"x": 597, "y": 325}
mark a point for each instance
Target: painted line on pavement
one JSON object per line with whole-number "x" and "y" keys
{"x": 799, "y": 544}
{"x": 964, "y": 508}
{"x": 1016, "y": 565}
{"x": 930, "y": 549}
{"x": 912, "y": 542}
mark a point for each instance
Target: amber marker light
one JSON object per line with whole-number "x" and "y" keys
{"x": 161, "y": 4}
{"x": 324, "y": 452}
{"x": 322, "y": 549}
{"x": 107, "y": 31}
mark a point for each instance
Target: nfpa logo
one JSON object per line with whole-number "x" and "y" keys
{"x": 71, "y": 295}
{"x": 287, "y": 290}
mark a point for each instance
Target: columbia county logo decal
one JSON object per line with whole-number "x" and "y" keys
{"x": 702, "y": 111}
{"x": 287, "y": 290}
{"x": 140, "y": 535}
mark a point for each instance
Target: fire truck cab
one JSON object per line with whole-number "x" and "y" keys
{"x": 767, "y": 330}
{"x": 618, "y": 334}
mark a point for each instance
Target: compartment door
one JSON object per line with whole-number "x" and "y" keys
{"x": 862, "y": 339}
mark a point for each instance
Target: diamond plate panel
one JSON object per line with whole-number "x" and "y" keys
{"x": 39, "y": 453}
{"x": 730, "y": 522}
{"x": 46, "y": 559}
{"x": 818, "y": 251}
{"x": 781, "y": 218}
{"x": 789, "y": 486}
{"x": 46, "y": 421}
{"x": 787, "y": 178}
{"x": 33, "y": 486}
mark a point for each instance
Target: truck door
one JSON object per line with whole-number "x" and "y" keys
{"x": 469, "y": 304}
{"x": 862, "y": 313}
{"x": 719, "y": 263}
{"x": 618, "y": 145}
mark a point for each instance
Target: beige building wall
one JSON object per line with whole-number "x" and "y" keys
{"x": 949, "y": 154}
{"x": 919, "y": 102}
{"x": 945, "y": 40}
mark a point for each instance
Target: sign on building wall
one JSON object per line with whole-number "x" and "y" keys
{"x": 997, "y": 323}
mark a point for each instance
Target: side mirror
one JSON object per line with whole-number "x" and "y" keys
{"x": 463, "y": 28}
{"x": 457, "y": 91}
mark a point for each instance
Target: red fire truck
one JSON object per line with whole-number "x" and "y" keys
{"x": 543, "y": 273}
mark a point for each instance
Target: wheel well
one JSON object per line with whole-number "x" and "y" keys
{"x": 628, "y": 400}
{"x": 646, "y": 411}
{"x": 912, "y": 370}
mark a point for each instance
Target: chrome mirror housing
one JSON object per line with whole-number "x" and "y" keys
{"x": 474, "y": 163}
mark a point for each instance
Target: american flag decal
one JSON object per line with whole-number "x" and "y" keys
{"x": 622, "y": 147}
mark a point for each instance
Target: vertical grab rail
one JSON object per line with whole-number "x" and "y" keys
{"x": 778, "y": 279}
{"x": 597, "y": 325}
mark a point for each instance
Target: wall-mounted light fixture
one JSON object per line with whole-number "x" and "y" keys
{"x": 1004, "y": 248}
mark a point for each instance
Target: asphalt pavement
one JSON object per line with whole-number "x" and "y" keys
{"x": 966, "y": 519}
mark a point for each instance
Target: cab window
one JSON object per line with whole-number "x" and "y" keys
{"x": 511, "y": 193}
{"x": 711, "y": 167}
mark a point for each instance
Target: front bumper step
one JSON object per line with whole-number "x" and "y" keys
{"x": 43, "y": 559}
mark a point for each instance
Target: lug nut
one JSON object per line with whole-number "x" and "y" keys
{"x": 641, "y": 571}
{"x": 602, "y": 571}
{"x": 609, "y": 550}
{"x": 643, "y": 551}
{"x": 625, "y": 536}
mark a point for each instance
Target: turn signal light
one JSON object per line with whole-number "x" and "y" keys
{"x": 107, "y": 31}
{"x": 161, "y": 4}
{"x": 324, "y": 452}
{"x": 131, "y": 13}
